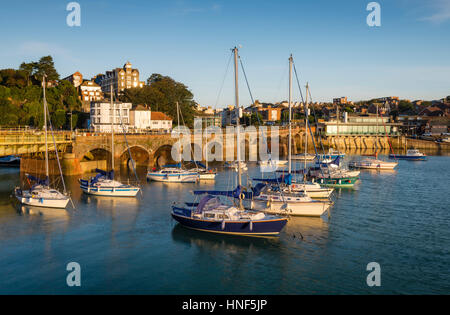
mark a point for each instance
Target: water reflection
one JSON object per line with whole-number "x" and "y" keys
{"x": 207, "y": 240}
{"x": 307, "y": 228}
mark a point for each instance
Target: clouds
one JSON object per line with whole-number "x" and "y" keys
{"x": 186, "y": 8}
{"x": 440, "y": 11}
{"x": 37, "y": 49}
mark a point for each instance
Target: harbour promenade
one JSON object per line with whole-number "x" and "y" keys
{"x": 83, "y": 152}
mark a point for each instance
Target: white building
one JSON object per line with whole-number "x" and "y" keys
{"x": 140, "y": 118}
{"x": 102, "y": 116}
{"x": 160, "y": 121}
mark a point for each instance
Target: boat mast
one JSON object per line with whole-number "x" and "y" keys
{"x": 238, "y": 137}
{"x": 337, "y": 128}
{"x": 206, "y": 146}
{"x": 178, "y": 117}
{"x": 112, "y": 127}
{"x": 290, "y": 115}
{"x": 45, "y": 129}
{"x": 306, "y": 130}
{"x": 376, "y": 134}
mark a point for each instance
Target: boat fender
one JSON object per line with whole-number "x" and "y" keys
{"x": 223, "y": 225}
{"x": 251, "y": 225}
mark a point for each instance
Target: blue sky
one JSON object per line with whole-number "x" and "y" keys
{"x": 190, "y": 40}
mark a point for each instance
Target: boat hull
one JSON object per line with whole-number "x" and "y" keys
{"x": 345, "y": 182}
{"x": 246, "y": 228}
{"x": 374, "y": 165}
{"x": 41, "y": 202}
{"x": 409, "y": 158}
{"x": 207, "y": 176}
{"x": 110, "y": 191}
{"x": 313, "y": 192}
{"x": 306, "y": 209}
{"x": 188, "y": 178}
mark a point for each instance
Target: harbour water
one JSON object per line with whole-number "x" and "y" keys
{"x": 400, "y": 219}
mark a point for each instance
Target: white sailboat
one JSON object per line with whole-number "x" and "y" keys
{"x": 373, "y": 164}
{"x": 103, "y": 184}
{"x": 289, "y": 203}
{"x": 203, "y": 171}
{"x": 41, "y": 194}
{"x": 236, "y": 166}
{"x": 173, "y": 173}
{"x": 304, "y": 156}
{"x": 285, "y": 200}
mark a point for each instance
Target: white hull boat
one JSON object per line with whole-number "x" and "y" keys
{"x": 108, "y": 187}
{"x": 373, "y": 164}
{"x": 296, "y": 204}
{"x": 313, "y": 190}
{"x": 273, "y": 163}
{"x": 173, "y": 175}
{"x": 207, "y": 175}
{"x": 302, "y": 157}
{"x": 234, "y": 165}
{"x": 41, "y": 196}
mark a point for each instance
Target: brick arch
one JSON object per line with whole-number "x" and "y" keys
{"x": 140, "y": 155}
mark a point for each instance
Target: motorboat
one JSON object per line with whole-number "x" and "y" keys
{"x": 411, "y": 155}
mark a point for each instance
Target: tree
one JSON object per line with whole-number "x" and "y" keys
{"x": 36, "y": 70}
{"x": 59, "y": 118}
{"x": 47, "y": 67}
{"x": 406, "y": 107}
{"x": 8, "y": 115}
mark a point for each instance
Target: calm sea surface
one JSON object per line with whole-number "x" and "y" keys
{"x": 399, "y": 219}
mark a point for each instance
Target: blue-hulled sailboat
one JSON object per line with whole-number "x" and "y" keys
{"x": 213, "y": 215}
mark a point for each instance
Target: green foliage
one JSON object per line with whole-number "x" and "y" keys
{"x": 7, "y": 115}
{"x": 406, "y": 107}
{"x": 161, "y": 94}
{"x": 35, "y": 70}
{"x": 59, "y": 118}
{"x": 21, "y": 98}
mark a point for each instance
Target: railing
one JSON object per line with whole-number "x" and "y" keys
{"x": 33, "y": 138}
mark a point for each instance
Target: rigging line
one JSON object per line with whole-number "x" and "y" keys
{"x": 56, "y": 148}
{"x": 246, "y": 81}
{"x": 307, "y": 125}
{"x": 314, "y": 112}
{"x": 129, "y": 150}
{"x": 316, "y": 122}
{"x": 223, "y": 81}
{"x": 57, "y": 156}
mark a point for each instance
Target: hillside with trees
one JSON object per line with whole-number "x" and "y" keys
{"x": 21, "y": 101}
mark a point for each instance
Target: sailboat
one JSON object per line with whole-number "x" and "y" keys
{"x": 173, "y": 173}
{"x": 213, "y": 215}
{"x": 40, "y": 193}
{"x": 203, "y": 171}
{"x": 373, "y": 163}
{"x": 278, "y": 197}
{"x": 103, "y": 184}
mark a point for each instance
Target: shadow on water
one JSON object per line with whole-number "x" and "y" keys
{"x": 213, "y": 240}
